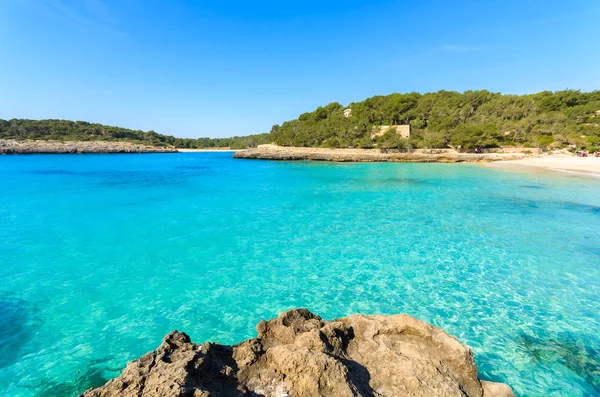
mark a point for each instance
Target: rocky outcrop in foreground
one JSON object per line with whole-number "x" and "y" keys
{"x": 300, "y": 355}
{"x": 67, "y": 147}
{"x": 274, "y": 152}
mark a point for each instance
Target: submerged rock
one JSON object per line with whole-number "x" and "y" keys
{"x": 300, "y": 355}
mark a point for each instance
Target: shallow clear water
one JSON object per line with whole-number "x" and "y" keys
{"x": 101, "y": 256}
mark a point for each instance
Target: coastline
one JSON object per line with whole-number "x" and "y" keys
{"x": 291, "y": 193}
{"x": 510, "y": 161}
{"x": 514, "y": 160}
{"x": 559, "y": 163}
{"x": 94, "y": 147}
{"x": 79, "y": 147}
{"x": 212, "y": 150}
{"x": 274, "y": 152}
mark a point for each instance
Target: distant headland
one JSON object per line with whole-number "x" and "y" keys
{"x": 78, "y": 147}
{"x": 22, "y": 136}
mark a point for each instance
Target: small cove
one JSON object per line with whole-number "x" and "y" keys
{"x": 104, "y": 255}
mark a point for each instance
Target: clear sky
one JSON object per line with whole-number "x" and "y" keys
{"x": 222, "y": 68}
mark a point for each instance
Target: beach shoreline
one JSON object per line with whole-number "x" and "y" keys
{"x": 558, "y": 163}
{"x": 519, "y": 159}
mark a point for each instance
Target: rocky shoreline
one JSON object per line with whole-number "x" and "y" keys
{"x": 79, "y": 147}
{"x": 300, "y": 355}
{"x": 274, "y": 152}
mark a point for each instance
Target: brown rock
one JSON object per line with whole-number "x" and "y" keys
{"x": 274, "y": 152}
{"x": 72, "y": 147}
{"x": 300, "y": 355}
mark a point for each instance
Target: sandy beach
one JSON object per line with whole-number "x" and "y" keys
{"x": 564, "y": 163}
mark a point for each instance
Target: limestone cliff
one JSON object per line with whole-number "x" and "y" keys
{"x": 71, "y": 147}
{"x": 300, "y": 355}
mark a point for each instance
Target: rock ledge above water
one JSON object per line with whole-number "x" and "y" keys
{"x": 77, "y": 147}
{"x": 300, "y": 355}
{"x": 274, "y": 152}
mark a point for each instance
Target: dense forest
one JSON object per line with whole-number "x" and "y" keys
{"x": 562, "y": 119}
{"x": 64, "y": 130}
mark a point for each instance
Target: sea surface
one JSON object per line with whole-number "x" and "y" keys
{"x": 102, "y": 255}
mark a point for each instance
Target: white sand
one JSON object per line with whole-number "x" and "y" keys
{"x": 586, "y": 165}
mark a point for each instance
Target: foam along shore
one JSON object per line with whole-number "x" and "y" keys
{"x": 565, "y": 163}
{"x": 274, "y": 152}
{"x": 300, "y": 355}
{"x": 73, "y": 147}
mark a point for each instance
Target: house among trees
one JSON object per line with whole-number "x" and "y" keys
{"x": 402, "y": 130}
{"x": 448, "y": 119}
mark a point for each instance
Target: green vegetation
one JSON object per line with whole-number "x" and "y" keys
{"x": 562, "y": 119}
{"x": 64, "y": 130}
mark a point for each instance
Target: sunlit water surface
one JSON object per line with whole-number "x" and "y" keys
{"x": 101, "y": 256}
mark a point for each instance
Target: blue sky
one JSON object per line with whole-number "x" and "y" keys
{"x": 223, "y": 68}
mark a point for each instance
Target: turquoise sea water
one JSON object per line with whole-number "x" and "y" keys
{"x": 102, "y": 255}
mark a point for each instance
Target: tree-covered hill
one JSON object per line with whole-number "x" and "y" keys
{"x": 451, "y": 119}
{"x": 64, "y": 130}
{"x": 562, "y": 119}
